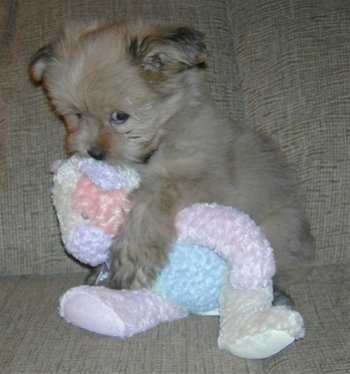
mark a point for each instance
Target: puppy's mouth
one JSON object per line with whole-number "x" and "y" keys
{"x": 101, "y": 155}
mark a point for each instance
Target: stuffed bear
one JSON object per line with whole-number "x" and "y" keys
{"x": 220, "y": 263}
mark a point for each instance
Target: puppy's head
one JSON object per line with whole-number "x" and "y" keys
{"x": 117, "y": 85}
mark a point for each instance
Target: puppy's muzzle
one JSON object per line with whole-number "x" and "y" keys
{"x": 97, "y": 153}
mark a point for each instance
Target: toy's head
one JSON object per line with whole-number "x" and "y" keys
{"x": 91, "y": 200}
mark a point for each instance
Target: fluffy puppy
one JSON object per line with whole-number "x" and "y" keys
{"x": 136, "y": 94}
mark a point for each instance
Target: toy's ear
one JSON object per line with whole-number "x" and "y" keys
{"x": 164, "y": 51}
{"x": 39, "y": 62}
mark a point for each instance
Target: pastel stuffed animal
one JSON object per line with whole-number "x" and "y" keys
{"x": 220, "y": 263}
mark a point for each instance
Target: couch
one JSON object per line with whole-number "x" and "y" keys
{"x": 282, "y": 67}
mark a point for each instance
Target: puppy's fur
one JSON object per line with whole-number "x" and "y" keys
{"x": 136, "y": 94}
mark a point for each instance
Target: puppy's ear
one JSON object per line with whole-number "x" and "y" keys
{"x": 168, "y": 50}
{"x": 39, "y": 62}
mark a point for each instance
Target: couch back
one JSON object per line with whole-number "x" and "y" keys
{"x": 280, "y": 66}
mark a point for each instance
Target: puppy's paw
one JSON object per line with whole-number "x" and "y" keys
{"x": 281, "y": 298}
{"x": 132, "y": 268}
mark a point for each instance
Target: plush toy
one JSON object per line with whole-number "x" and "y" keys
{"x": 220, "y": 263}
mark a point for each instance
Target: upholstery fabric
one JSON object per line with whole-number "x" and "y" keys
{"x": 35, "y": 340}
{"x": 282, "y": 66}
{"x": 293, "y": 60}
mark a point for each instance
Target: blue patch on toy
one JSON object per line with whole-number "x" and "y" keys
{"x": 193, "y": 278}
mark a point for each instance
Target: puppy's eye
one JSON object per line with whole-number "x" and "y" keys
{"x": 79, "y": 116}
{"x": 118, "y": 118}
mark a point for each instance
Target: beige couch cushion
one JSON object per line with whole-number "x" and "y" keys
{"x": 35, "y": 340}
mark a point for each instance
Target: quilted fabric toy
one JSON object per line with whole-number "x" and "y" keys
{"x": 220, "y": 263}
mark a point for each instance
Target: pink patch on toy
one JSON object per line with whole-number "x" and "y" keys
{"x": 224, "y": 229}
{"x": 104, "y": 209}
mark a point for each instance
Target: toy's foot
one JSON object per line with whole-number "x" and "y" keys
{"x": 260, "y": 345}
{"x": 257, "y": 345}
{"x": 250, "y": 327}
{"x": 115, "y": 313}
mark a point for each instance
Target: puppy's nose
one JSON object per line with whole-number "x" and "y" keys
{"x": 96, "y": 153}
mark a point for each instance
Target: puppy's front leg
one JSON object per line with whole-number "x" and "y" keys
{"x": 141, "y": 249}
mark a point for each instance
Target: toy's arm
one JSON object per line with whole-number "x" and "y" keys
{"x": 234, "y": 236}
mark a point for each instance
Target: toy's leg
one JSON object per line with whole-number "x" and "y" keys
{"x": 251, "y": 328}
{"x": 116, "y": 313}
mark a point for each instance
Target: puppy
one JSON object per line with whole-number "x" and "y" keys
{"x": 136, "y": 94}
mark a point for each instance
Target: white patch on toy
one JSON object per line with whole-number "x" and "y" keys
{"x": 219, "y": 261}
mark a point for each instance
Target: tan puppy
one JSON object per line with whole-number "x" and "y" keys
{"x": 137, "y": 94}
